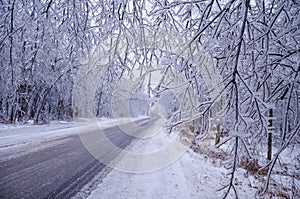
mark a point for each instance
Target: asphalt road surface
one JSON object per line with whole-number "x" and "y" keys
{"x": 56, "y": 168}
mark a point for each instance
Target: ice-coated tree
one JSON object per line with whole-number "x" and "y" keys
{"x": 254, "y": 45}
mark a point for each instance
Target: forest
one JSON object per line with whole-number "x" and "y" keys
{"x": 228, "y": 63}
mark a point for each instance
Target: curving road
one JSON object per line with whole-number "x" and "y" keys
{"x": 54, "y": 168}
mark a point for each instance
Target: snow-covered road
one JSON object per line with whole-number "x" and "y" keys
{"x": 51, "y": 161}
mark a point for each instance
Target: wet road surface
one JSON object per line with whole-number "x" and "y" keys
{"x": 56, "y": 168}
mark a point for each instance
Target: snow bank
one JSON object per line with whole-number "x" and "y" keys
{"x": 191, "y": 176}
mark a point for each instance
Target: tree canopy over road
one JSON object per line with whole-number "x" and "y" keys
{"x": 253, "y": 44}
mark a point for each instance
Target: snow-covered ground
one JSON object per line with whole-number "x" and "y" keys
{"x": 191, "y": 176}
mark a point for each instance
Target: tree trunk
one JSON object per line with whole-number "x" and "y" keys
{"x": 218, "y": 135}
{"x": 269, "y": 155}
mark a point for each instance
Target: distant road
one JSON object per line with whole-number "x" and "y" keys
{"x": 56, "y": 168}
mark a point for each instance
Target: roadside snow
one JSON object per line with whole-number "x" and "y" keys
{"x": 17, "y": 137}
{"x": 191, "y": 176}
{"x": 22, "y": 135}
{"x": 27, "y": 133}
